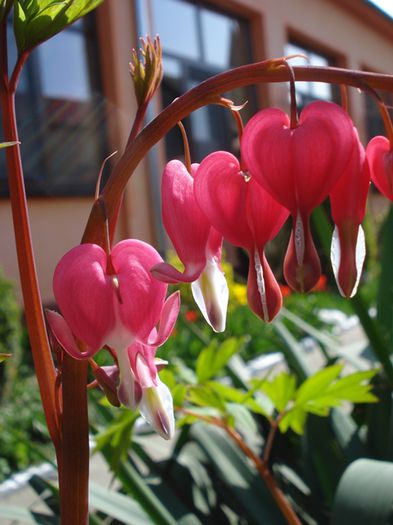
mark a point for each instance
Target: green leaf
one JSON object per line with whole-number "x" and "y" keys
{"x": 292, "y": 351}
{"x": 16, "y": 514}
{"x": 205, "y": 396}
{"x": 295, "y": 420}
{"x": 364, "y": 495}
{"x": 229, "y": 393}
{"x": 212, "y": 359}
{"x": 3, "y": 357}
{"x": 37, "y": 20}
{"x": 315, "y": 385}
{"x": 243, "y": 419}
{"x": 117, "y": 506}
{"x": 280, "y": 390}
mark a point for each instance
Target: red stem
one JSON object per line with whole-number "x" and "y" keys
{"x": 39, "y": 343}
{"x": 261, "y": 465}
{"x": 74, "y": 475}
{"x": 197, "y": 97}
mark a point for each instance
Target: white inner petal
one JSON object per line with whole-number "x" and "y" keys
{"x": 211, "y": 294}
{"x": 261, "y": 285}
{"x": 335, "y": 256}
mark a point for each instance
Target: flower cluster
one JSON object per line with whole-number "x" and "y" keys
{"x": 117, "y": 298}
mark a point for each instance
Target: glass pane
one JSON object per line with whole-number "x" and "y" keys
{"x": 308, "y": 91}
{"x": 170, "y": 14}
{"x": 218, "y": 43}
{"x": 63, "y": 67}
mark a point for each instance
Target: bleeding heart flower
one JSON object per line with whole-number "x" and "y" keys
{"x": 348, "y": 207}
{"x": 246, "y": 216}
{"x": 112, "y": 300}
{"x": 196, "y": 243}
{"x": 299, "y": 167}
{"x": 380, "y": 158}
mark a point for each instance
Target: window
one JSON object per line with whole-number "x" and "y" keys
{"x": 61, "y": 115}
{"x": 205, "y": 43}
{"x": 306, "y": 92}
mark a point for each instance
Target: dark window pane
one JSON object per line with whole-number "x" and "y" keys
{"x": 61, "y": 116}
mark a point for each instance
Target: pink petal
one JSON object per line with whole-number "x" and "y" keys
{"x": 349, "y": 196}
{"x": 265, "y": 216}
{"x": 143, "y": 372}
{"x": 142, "y": 296}
{"x": 302, "y": 268}
{"x": 65, "y": 337}
{"x": 106, "y": 377}
{"x": 221, "y": 192}
{"x": 84, "y": 294}
{"x": 185, "y": 223}
{"x": 300, "y": 166}
{"x": 263, "y": 292}
{"x": 380, "y": 158}
{"x": 169, "y": 314}
{"x": 168, "y": 274}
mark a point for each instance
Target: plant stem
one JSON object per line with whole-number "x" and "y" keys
{"x": 260, "y": 464}
{"x": 74, "y": 474}
{"x": 40, "y": 348}
{"x": 201, "y": 95}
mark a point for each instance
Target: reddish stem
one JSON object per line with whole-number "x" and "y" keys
{"x": 261, "y": 466}
{"x": 39, "y": 343}
{"x": 74, "y": 475}
{"x": 197, "y": 97}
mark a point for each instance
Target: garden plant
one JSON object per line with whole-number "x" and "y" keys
{"x": 248, "y": 450}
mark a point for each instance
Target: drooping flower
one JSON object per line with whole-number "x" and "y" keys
{"x": 348, "y": 207}
{"x": 380, "y": 158}
{"x": 299, "y": 167}
{"x": 246, "y": 216}
{"x": 197, "y": 244}
{"x": 112, "y": 300}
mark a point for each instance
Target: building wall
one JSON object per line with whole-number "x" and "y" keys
{"x": 356, "y": 34}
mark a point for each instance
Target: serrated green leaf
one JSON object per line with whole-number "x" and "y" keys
{"x": 295, "y": 419}
{"x": 212, "y": 359}
{"x": 37, "y": 20}
{"x": 205, "y": 396}
{"x": 229, "y": 393}
{"x": 179, "y": 394}
{"x": 280, "y": 390}
{"x": 315, "y": 385}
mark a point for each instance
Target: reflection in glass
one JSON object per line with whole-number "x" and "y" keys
{"x": 308, "y": 91}
{"x": 217, "y": 31}
{"x": 63, "y": 67}
{"x": 170, "y": 14}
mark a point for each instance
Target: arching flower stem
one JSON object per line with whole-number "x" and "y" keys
{"x": 201, "y": 95}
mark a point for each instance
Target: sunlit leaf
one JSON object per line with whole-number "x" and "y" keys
{"x": 205, "y": 396}
{"x": 280, "y": 390}
{"x": 315, "y": 385}
{"x": 294, "y": 419}
{"x": 212, "y": 359}
{"x": 37, "y": 20}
